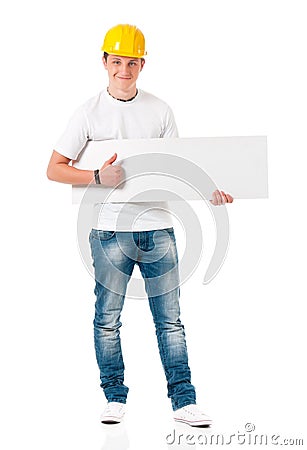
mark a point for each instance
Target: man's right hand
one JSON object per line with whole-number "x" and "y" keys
{"x": 110, "y": 175}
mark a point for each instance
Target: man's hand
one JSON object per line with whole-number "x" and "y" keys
{"x": 110, "y": 175}
{"x": 220, "y": 198}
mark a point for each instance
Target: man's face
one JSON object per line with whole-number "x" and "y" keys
{"x": 123, "y": 71}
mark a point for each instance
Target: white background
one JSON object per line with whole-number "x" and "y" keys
{"x": 226, "y": 68}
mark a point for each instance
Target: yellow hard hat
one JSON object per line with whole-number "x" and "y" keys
{"x": 124, "y": 40}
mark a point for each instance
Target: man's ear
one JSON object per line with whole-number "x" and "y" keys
{"x": 104, "y": 62}
{"x": 142, "y": 63}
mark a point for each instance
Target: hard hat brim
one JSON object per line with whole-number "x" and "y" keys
{"x": 128, "y": 54}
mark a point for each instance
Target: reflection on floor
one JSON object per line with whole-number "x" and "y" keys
{"x": 178, "y": 436}
{"x": 116, "y": 437}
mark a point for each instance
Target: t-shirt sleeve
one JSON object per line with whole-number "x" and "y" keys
{"x": 170, "y": 128}
{"x": 75, "y": 135}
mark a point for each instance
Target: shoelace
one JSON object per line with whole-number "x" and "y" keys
{"x": 194, "y": 412}
{"x": 108, "y": 408}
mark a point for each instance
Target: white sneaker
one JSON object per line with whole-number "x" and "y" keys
{"x": 113, "y": 413}
{"x": 192, "y": 415}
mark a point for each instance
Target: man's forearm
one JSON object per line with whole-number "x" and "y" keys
{"x": 63, "y": 173}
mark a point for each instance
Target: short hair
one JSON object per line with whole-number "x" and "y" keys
{"x": 105, "y": 55}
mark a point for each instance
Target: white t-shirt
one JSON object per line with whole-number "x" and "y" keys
{"x": 103, "y": 117}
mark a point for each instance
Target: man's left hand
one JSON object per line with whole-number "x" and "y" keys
{"x": 220, "y": 198}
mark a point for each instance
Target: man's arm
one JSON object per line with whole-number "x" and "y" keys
{"x": 60, "y": 170}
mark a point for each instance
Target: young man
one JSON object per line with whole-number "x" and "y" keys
{"x": 124, "y": 112}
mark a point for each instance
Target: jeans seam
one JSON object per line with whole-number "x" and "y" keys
{"x": 163, "y": 354}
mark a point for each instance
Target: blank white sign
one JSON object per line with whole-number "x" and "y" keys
{"x": 177, "y": 168}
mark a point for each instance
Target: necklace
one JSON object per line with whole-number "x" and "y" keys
{"x": 121, "y": 99}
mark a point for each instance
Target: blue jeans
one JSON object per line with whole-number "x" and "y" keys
{"x": 114, "y": 256}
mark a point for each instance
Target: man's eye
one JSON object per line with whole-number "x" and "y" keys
{"x": 132, "y": 64}
{"x": 116, "y": 62}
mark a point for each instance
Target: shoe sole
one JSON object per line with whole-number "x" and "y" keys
{"x": 200, "y": 423}
{"x": 111, "y": 420}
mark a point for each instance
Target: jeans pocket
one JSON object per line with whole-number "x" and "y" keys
{"x": 102, "y": 235}
{"x": 169, "y": 230}
{"x": 171, "y": 233}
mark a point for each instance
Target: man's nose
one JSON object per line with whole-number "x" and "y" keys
{"x": 126, "y": 69}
